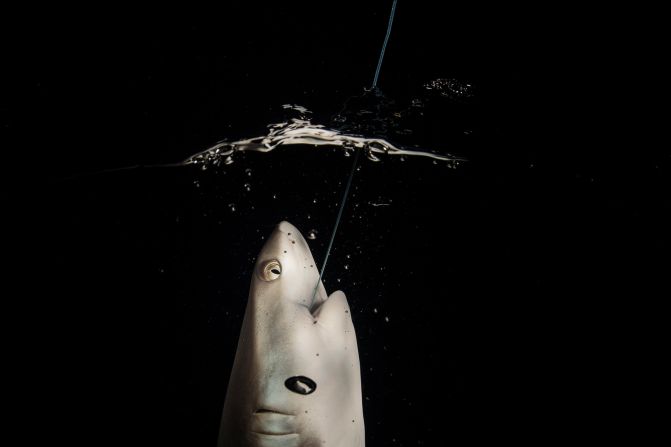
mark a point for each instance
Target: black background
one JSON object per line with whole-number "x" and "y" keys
{"x": 517, "y": 287}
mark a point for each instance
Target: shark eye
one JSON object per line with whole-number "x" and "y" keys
{"x": 271, "y": 270}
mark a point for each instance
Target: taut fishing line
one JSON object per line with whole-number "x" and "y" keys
{"x": 356, "y": 156}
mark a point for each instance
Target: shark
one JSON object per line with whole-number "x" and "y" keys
{"x": 296, "y": 377}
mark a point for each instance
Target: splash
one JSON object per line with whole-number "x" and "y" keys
{"x": 301, "y": 131}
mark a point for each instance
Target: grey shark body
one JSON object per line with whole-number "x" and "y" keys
{"x": 296, "y": 378}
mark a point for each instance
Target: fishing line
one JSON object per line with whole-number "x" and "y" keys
{"x": 384, "y": 45}
{"x": 356, "y": 156}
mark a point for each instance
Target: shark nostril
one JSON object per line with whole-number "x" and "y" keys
{"x": 301, "y": 385}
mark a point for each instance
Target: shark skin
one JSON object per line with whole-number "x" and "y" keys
{"x": 296, "y": 379}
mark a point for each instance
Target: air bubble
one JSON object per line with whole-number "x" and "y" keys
{"x": 371, "y": 156}
{"x": 312, "y": 234}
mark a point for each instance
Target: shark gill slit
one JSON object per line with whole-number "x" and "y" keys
{"x": 356, "y": 156}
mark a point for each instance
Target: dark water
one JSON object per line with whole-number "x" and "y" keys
{"x": 494, "y": 301}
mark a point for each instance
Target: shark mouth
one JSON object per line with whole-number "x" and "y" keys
{"x": 266, "y": 422}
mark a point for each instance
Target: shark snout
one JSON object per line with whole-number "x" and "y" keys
{"x": 286, "y": 227}
{"x": 292, "y": 234}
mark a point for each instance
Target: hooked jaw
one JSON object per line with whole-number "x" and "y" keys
{"x": 286, "y": 269}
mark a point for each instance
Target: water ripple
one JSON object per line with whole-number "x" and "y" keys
{"x": 301, "y": 131}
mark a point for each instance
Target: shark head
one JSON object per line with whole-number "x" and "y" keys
{"x": 296, "y": 378}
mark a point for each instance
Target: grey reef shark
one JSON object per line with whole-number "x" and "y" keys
{"x": 296, "y": 379}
